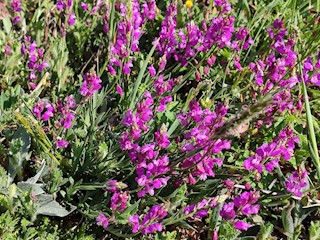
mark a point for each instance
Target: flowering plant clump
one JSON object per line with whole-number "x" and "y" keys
{"x": 148, "y": 119}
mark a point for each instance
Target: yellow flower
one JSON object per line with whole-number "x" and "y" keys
{"x": 189, "y": 3}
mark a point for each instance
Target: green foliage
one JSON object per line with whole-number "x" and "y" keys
{"x": 227, "y": 231}
{"x": 314, "y": 230}
{"x": 48, "y": 192}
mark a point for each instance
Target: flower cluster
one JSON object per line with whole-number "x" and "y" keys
{"x": 311, "y": 73}
{"x": 278, "y": 62}
{"x": 150, "y": 222}
{"x": 296, "y": 182}
{"x": 149, "y": 163}
{"x": 242, "y": 205}
{"x": 137, "y": 123}
{"x": 268, "y": 155}
{"x": 66, "y": 8}
{"x": 200, "y": 209}
{"x": 43, "y": 110}
{"x": 201, "y": 164}
{"x": 16, "y": 8}
{"x": 119, "y": 201}
{"x": 36, "y": 62}
{"x": 149, "y": 9}
{"x": 102, "y": 220}
{"x": 129, "y": 32}
{"x": 65, "y": 109}
{"x": 90, "y": 84}
{"x": 150, "y": 170}
{"x": 273, "y": 72}
{"x": 183, "y": 44}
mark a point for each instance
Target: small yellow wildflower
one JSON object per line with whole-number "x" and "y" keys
{"x": 189, "y": 3}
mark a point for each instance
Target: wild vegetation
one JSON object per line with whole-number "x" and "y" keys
{"x": 148, "y": 119}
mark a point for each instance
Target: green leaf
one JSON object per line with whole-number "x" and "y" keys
{"x": 141, "y": 74}
{"x": 314, "y": 231}
{"x": 179, "y": 195}
{"x": 312, "y": 135}
{"x": 3, "y": 177}
{"x": 35, "y": 179}
{"x": 19, "y": 149}
{"x": 287, "y": 220}
{"x": 7, "y": 24}
{"x": 265, "y": 231}
{"x": 36, "y": 188}
{"x": 49, "y": 207}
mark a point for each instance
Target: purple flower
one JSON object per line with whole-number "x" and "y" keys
{"x": 281, "y": 147}
{"x": 40, "y": 107}
{"x": 308, "y": 66}
{"x": 149, "y": 9}
{"x": 90, "y": 85}
{"x": 201, "y": 208}
{"x": 150, "y": 223}
{"x": 7, "y": 50}
{"x": 162, "y": 138}
{"x": 253, "y": 163}
{"x": 60, "y": 5}
{"x": 69, "y": 3}
{"x": 68, "y": 119}
{"x": 237, "y": 63}
{"x": 119, "y": 90}
{"x": 128, "y": 119}
{"x": 119, "y": 201}
{"x": 111, "y": 70}
{"x": 240, "y": 225}
{"x": 72, "y": 19}
{"x": 16, "y": 20}
{"x": 16, "y": 5}
{"x": 163, "y": 103}
{"x": 152, "y": 71}
{"x": 102, "y": 220}
{"x": 84, "y": 6}
{"x": 227, "y": 211}
{"x": 134, "y": 222}
{"x": 62, "y": 144}
{"x": 112, "y": 185}
{"x": 127, "y": 68}
{"x": 296, "y": 182}
{"x": 154, "y": 227}
{"x": 48, "y": 113}
{"x": 211, "y": 61}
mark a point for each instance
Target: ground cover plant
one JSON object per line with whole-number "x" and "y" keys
{"x": 150, "y": 119}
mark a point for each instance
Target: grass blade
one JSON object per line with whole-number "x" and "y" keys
{"x": 311, "y": 132}
{"x": 141, "y": 73}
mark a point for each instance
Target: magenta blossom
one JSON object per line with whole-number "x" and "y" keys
{"x": 84, "y": 6}
{"x": 72, "y": 19}
{"x": 46, "y": 107}
{"x": 149, "y": 223}
{"x": 16, "y": 5}
{"x": 119, "y": 90}
{"x": 119, "y": 201}
{"x": 90, "y": 84}
{"x": 296, "y": 182}
{"x": 62, "y": 144}
{"x": 227, "y": 211}
{"x": 102, "y": 220}
{"x": 7, "y": 50}
{"x": 240, "y": 225}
